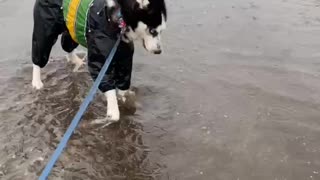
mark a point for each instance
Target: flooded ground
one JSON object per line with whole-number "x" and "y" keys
{"x": 235, "y": 96}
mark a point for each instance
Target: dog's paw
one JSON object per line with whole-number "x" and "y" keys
{"x": 124, "y": 95}
{"x": 121, "y": 95}
{"x": 37, "y": 84}
{"x": 78, "y": 65}
{"x": 78, "y": 62}
{"x": 74, "y": 59}
{"x": 113, "y": 114}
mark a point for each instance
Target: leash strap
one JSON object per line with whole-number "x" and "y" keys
{"x": 74, "y": 123}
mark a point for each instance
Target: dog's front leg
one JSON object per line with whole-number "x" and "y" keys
{"x": 113, "y": 113}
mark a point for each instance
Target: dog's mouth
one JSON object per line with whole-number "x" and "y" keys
{"x": 144, "y": 45}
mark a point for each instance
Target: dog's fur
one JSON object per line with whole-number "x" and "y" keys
{"x": 145, "y": 20}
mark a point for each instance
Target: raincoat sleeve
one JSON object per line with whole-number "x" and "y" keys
{"x": 48, "y": 24}
{"x": 101, "y": 37}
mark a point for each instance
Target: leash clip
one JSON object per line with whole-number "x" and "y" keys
{"x": 122, "y": 25}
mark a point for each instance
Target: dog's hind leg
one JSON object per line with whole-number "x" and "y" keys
{"x": 48, "y": 24}
{"x": 36, "y": 77}
{"x": 69, "y": 46}
{"x": 76, "y": 60}
{"x": 41, "y": 48}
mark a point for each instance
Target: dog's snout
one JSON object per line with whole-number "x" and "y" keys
{"x": 152, "y": 45}
{"x": 157, "y": 51}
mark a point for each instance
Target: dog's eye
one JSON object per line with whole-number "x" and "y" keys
{"x": 153, "y": 32}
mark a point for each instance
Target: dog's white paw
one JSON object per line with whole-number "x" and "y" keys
{"x": 121, "y": 95}
{"x": 74, "y": 59}
{"x": 78, "y": 64}
{"x": 36, "y": 77}
{"x": 37, "y": 84}
{"x": 113, "y": 113}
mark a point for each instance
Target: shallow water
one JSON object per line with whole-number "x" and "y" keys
{"x": 234, "y": 96}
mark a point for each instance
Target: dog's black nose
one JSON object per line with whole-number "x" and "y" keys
{"x": 157, "y": 52}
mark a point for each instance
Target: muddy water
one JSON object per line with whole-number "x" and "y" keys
{"x": 234, "y": 96}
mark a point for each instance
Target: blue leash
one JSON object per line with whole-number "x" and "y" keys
{"x": 63, "y": 143}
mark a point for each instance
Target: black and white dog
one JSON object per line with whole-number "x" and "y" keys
{"x": 90, "y": 23}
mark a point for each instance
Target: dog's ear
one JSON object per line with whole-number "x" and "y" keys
{"x": 143, "y": 3}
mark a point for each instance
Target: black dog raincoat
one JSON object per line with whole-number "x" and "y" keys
{"x": 84, "y": 22}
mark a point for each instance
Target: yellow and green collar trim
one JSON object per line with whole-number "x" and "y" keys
{"x": 75, "y": 15}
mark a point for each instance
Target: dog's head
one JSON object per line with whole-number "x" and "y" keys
{"x": 146, "y": 19}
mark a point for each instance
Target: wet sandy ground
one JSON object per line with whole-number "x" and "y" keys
{"x": 235, "y": 96}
